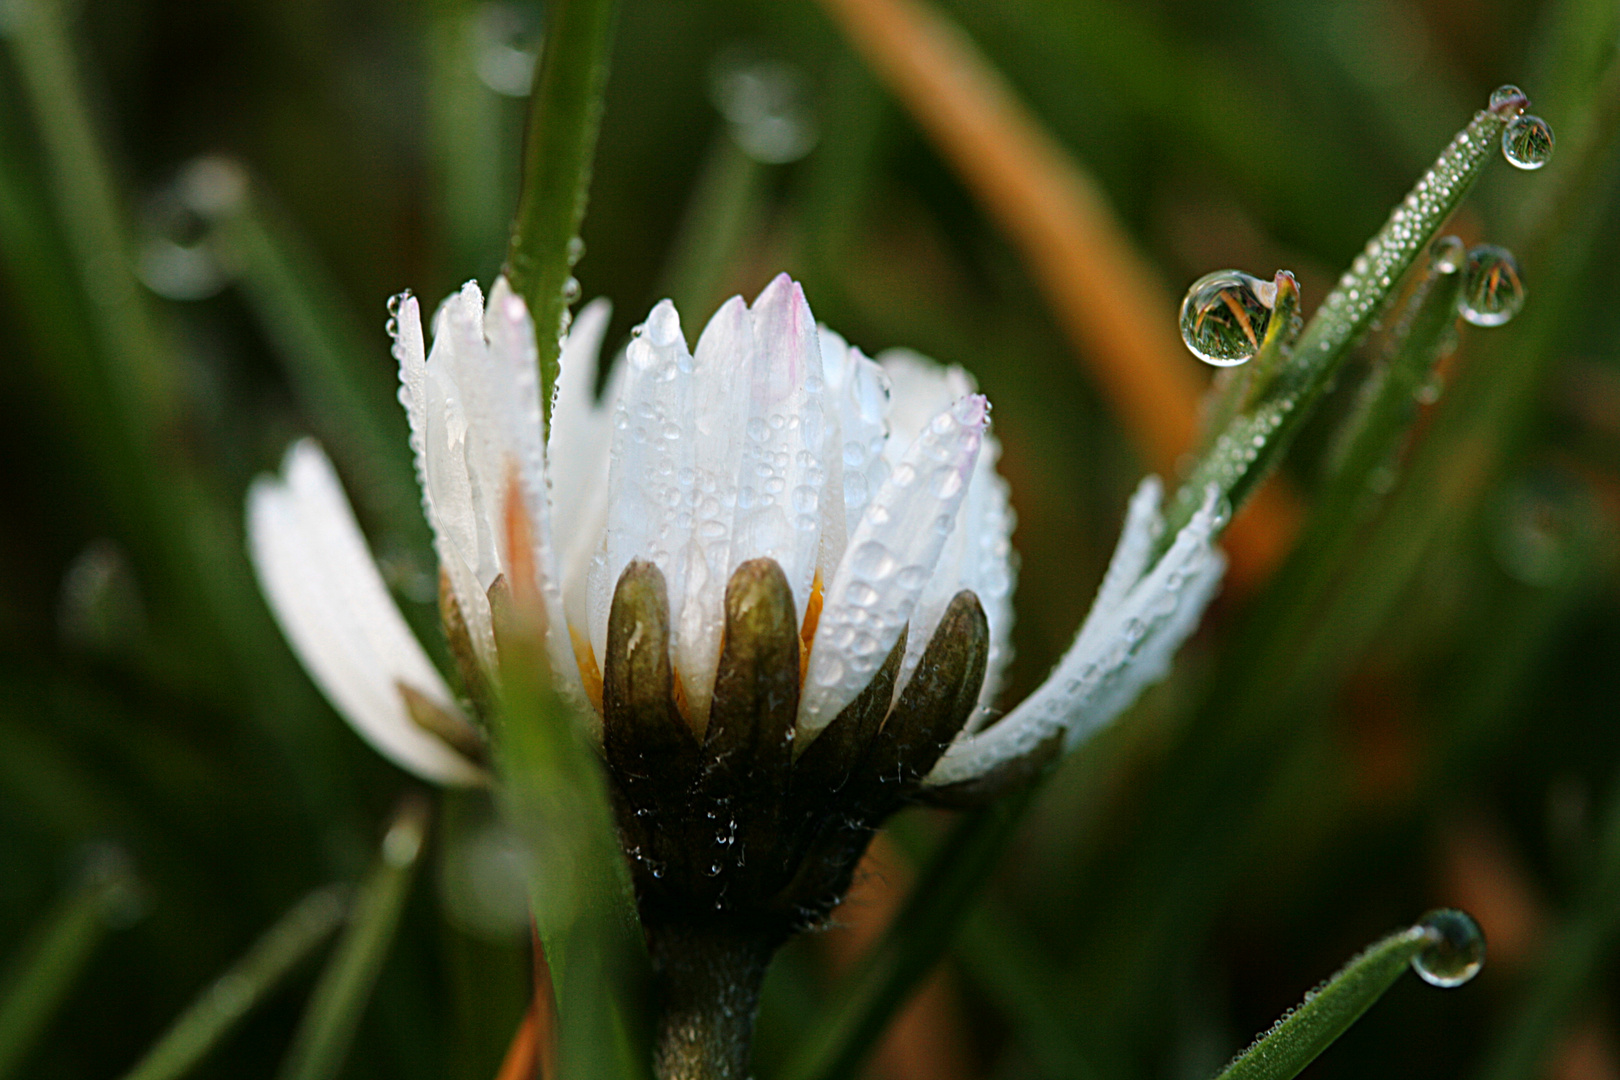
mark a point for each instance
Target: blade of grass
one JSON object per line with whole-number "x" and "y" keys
{"x": 1256, "y": 439}
{"x": 861, "y": 1011}
{"x": 554, "y": 792}
{"x": 1327, "y": 1012}
{"x": 56, "y": 954}
{"x": 1198, "y": 828}
{"x": 565, "y": 112}
{"x": 344, "y": 989}
{"x": 229, "y": 999}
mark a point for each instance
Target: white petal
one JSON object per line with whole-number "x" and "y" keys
{"x": 919, "y": 389}
{"x": 978, "y": 556}
{"x": 785, "y": 443}
{"x": 1136, "y": 538}
{"x": 465, "y": 546}
{"x": 509, "y": 396}
{"x": 326, "y": 593}
{"x": 892, "y": 554}
{"x": 856, "y": 402}
{"x": 652, "y": 443}
{"x": 405, "y": 327}
{"x": 717, "y": 434}
{"x": 758, "y": 437}
{"x": 1098, "y": 677}
{"x": 577, "y": 450}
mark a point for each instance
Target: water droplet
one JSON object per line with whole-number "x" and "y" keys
{"x": 947, "y": 481}
{"x": 576, "y": 250}
{"x": 872, "y": 560}
{"x": 1456, "y": 951}
{"x": 1224, "y": 316}
{"x": 861, "y": 594}
{"x": 855, "y": 490}
{"x": 1527, "y": 142}
{"x": 768, "y": 105}
{"x": 1508, "y": 97}
{"x": 1449, "y": 254}
{"x": 570, "y": 290}
{"x": 505, "y": 38}
{"x": 1492, "y": 290}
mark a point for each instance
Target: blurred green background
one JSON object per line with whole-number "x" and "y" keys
{"x": 1446, "y": 733}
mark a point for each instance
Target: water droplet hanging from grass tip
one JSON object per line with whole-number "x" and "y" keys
{"x": 1528, "y": 142}
{"x": 1492, "y": 290}
{"x": 1224, "y": 316}
{"x": 1456, "y": 949}
{"x": 1449, "y": 254}
{"x": 1508, "y": 100}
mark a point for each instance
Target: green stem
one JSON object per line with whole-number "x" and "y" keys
{"x": 564, "y": 115}
{"x": 327, "y": 1029}
{"x": 554, "y": 793}
{"x": 1304, "y": 1033}
{"x": 706, "y": 981}
{"x": 234, "y": 994}
{"x": 1256, "y": 439}
{"x": 55, "y": 956}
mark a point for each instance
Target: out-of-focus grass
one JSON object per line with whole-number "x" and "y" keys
{"x": 1467, "y": 653}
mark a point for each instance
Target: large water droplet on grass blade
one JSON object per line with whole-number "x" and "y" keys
{"x": 1456, "y": 948}
{"x": 1224, "y": 317}
{"x": 1492, "y": 292}
{"x": 1528, "y": 142}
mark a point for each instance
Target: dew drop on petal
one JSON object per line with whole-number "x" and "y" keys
{"x": 872, "y": 561}
{"x": 1456, "y": 949}
{"x": 861, "y": 594}
{"x": 1223, "y": 317}
{"x": 1492, "y": 290}
{"x": 1528, "y": 142}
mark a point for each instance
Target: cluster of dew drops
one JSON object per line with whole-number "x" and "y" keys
{"x": 1225, "y": 314}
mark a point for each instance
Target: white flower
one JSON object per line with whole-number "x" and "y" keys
{"x": 872, "y": 485}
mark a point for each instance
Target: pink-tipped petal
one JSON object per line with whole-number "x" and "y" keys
{"x": 892, "y": 554}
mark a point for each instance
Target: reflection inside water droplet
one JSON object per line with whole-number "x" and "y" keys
{"x": 1456, "y": 949}
{"x": 1224, "y": 316}
{"x": 1527, "y": 142}
{"x": 1492, "y": 290}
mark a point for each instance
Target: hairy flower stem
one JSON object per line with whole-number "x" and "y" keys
{"x": 707, "y": 978}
